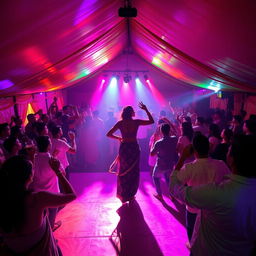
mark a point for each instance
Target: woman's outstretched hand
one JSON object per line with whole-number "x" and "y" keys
{"x": 143, "y": 106}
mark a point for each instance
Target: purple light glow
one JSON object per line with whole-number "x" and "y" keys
{"x": 82, "y": 230}
{"x": 4, "y": 84}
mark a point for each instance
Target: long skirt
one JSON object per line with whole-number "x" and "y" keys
{"x": 129, "y": 171}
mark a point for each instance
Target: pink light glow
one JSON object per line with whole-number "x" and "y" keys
{"x": 126, "y": 94}
{"x": 102, "y": 83}
{"x": 82, "y": 230}
{"x": 97, "y": 95}
{"x": 156, "y": 94}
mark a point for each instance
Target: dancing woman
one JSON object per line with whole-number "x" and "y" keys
{"x": 129, "y": 152}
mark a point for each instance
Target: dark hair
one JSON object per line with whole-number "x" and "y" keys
{"x": 251, "y": 126}
{"x": 228, "y": 134}
{"x": 14, "y": 174}
{"x": 187, "y": 130}
{"x": 58, "y": 114}
{"x": 9, "y": 143}
{"x": 16, "y": 131}
{"x": 17, "y": 120}
{"x": 40, "y": 126}
{"x": 165, "y": 129}
{"x": 161, "y": 121}
{"x": 201, "y": 144}
{"x": 55, "y": 130}
{"x": 252, "y": 117}
{"x": 238, "y": 118}
{"x": 127, "y": 113}
{"x": 243, "y": 150}
{"x": 188, "y": 119}
{"x": 3, "y": 126}
{"x": 214, "y": 131}
{"x": 43, "y": 143}
{"x": 30, "y": 116}
{"x": 200, "y": 120}
{"x": 43, "y": 116}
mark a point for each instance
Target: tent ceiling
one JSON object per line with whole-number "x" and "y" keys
{"x": 48, "y": 45}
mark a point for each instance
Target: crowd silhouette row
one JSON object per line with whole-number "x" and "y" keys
{"x": 207, "y": 164}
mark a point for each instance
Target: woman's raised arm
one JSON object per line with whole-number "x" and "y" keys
{"x": 150, "y": 117}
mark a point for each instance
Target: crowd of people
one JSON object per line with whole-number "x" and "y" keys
{"x": 208, "y": 166}
{"x": 207, "y": 163}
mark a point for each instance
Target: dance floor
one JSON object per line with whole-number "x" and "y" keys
{"x": 96, "y": 224}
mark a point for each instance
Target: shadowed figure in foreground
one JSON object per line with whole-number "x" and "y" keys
{"x": 132, "y": 236}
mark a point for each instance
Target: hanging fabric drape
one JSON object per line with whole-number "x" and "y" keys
{"x": 217, "y": 103}
{"x": 6, "y": 109}
{"x": 200, "y": 43}
{"x": 250, "y": 106}
{"x": 22, "y": 102}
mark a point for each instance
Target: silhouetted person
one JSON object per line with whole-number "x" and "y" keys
{"x": 129, "y": 152}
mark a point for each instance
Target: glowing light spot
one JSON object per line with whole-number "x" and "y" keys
{"x": 46, "y": 82}
{"x": 102, "y": 83}
{"x": 30, "y": 110}
{"x": 157, "y": 62}
{"x": 97, "y": 54}
{"x": 5, "y": 84}
{"x": 70, "y": 76}
{"x": 83, "y": 73}
{"x": 216, "y": 89}
{"x": 214, "y": 86}
{"x": 113, "y": 83}
{"x": 157, "y": 94}
{"x": 102, "y": 62}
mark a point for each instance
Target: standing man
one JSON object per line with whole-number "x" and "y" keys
{"x": 165, "y": 149}
{"x": 227, "y": 222}
{"x": 203, "y": 170}
{"x": 60, "y": 148}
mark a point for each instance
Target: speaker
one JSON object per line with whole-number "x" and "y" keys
{"x": 127, "y": 12}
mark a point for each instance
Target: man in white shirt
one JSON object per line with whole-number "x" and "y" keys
{"x": 227, "y": 222}
{"x": 60, "y": 147}
{"x": 45, "y": 178}
{"x": 200, "y": 126}
{"x": 203, "y": 170}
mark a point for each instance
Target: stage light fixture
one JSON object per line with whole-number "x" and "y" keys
{"x": 215, "y": 86}
{"x": 126, "y": 78}
{"x": 117, "y": 76}
{"x": 146, "y": 78}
